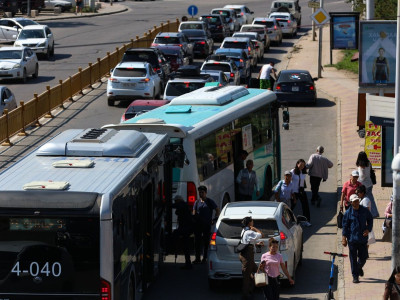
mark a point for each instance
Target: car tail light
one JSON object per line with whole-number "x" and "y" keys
{"x": 187, "y": 84}
{"x": 180, "y": 45}
{"x": 249, "y": 48}
{"x": 275, "y": 27}
{"x": 311, "y": 87}
{"x": 288, "y": 21}
{"x": 154, "y": 45}
{"x": 278, "y": 87}
{"x": 156, "y": 69}
{"x": 105, "y": 290}
{"x": 115, "y": 80}
{"x": 242, "y": 14}
{"x": 216, "y": 63}
{"x": 232, "y": 75}
{"x": 191, "y": 194}
{"x": 213, "y": 244}
{"x": 283, "y": 245}
{"x": 282, "y": 236}
{"x": 145, "y": 80}
{"x": 201, "y": 43}
{"x": 241, "y": 60}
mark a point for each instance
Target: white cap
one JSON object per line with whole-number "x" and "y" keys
{"x": 354, "y": 197}
{"x": 355, "y": 173}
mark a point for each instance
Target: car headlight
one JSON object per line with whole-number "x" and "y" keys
{"x": 16, "y": 66}
{"x": 42, "y": 44}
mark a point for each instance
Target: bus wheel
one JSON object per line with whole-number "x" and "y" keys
{"x": 225, "y": 201}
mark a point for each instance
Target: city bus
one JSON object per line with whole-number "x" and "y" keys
{"x": 82, "y": 216}
{"x": 214, "y": 124}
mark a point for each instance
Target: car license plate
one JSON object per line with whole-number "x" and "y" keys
{"x": 128, "y": 84}
{"x": 295, "y": 89}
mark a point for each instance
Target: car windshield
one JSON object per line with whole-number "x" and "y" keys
{"x": 230, "y": 54}
{"x": 167, "y": 40}
{"x": 180, "y": 88}
{"x": 253, "y": 29}
{"x": 27, "y": 22}
{"x": 217, "y": 67}
{"x": 235, "y": 45}
{"x": 265, "y": 23}
{"x": 31, "y": 34}
{"x": 191, "y": 26}
{"x": 141, "y": 56}
{"x": 194, "y": 33}
{"x": 295, "y": 77}
{"x": 232, "y": 229}
{"x": 130, "y": 72}
{"x": 11, "y": 54}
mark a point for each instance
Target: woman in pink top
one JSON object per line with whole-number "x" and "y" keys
{"x": 270, "y": 263}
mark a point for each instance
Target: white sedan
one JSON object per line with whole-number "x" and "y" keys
{"x": 133, "y": 80}
{"x": 18, "y": 63}
{"x": 272, "y": 218}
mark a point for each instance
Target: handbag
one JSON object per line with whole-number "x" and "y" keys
{"x": 339, "y": 219}
{"x": 260, "y": 279}
{"x": 241, "y": 247}
{"x": 372, "y": 175}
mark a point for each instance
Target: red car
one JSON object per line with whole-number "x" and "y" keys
{"x": 141, "y": 106}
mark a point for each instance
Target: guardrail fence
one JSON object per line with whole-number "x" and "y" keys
{"x": 41, "y": 105}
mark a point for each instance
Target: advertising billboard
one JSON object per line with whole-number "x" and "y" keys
{"x": 377, "y": 59}
{"x": 344, "y": 30}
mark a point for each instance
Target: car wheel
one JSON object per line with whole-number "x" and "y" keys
{"x": 47, "y": 55}
{"x": 36, "y": 74}
{"x": 110, "y": 102}
{"x": 24, "y": 76}
{"x": 52, "y": 51}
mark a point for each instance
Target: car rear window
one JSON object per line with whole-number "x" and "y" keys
{"x": 217, "y": 67}
{"x": 265, "y": 23}
{"x": 235, "y": 45}
{"x": 149, "y": 57}
{"x": 212, "y": 20}
{"x": 131, "y": 72}
{"x": 224, "y": 13}
{"x": 180, "y": 88}
{"x": 191, "y": 26}
{"x": 279, "y": 17}
{"x": 166, "y": 40}
{"x": 232, "y": 229}
{"x": 295, "y": 77}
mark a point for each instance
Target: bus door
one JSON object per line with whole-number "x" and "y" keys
{"x": 147, "y": 235}
{"x": 238, "y": 163}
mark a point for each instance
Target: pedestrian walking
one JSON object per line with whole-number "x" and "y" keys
{"x": 203, "y": 211}
{"x": 250, "y": 236}
{"x": 366, "y": 202}
{"x": 392, "y": 286}
{"x": 265, "y": 75}
{"x": 185, "y": 229}
{"x": 299, "y": 174}
{"x": 387, "y": 224}
{"x": 78, "y": 6}
{"x": 270, "y": 263}
{"x": 317, "y": 166}
{"x": 348, "y": 189}
{"x": 357, "y": 224}
{"x": 364, "y": 168}
{"x": 284, "y": 191}
{"x": 247, "y": 180}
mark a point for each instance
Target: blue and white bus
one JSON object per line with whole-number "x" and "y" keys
{"x": 215, "y": 124}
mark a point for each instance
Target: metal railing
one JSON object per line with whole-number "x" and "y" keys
{"x": 41, "y": 105}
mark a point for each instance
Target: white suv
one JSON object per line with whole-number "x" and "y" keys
{"x": 272, "y": 218}
{"x": 37, "y": 37}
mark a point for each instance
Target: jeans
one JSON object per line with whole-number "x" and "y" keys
{"x": 202, "y": 239}
{"x": 374, "y": 209}
{"x": 271, "y": 290}
{"x": 315, "y": 182}
{"x": 358, "y": 256}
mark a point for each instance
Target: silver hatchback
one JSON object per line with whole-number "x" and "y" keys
{"x": 272, "y": 218}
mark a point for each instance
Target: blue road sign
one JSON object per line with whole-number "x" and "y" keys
{"x": 193, "y": 10}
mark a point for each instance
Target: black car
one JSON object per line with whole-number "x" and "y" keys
{"x": 151, "y": 55}
{"x": 203, "y": 43}
{"x": 216, "y": 25}
{"x": 295, "y": 86}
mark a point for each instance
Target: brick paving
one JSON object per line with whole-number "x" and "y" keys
{"x": 342, "y": 86}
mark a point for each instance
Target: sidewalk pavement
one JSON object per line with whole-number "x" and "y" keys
{"x": 342, "y": 87}
{"x": 105, "y": 9}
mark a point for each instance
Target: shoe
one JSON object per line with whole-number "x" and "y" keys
{"x": 187, "y": 267}
{"x": 204, "y": 260}
{"x": 308, "y": 224}
{"x": 355, "y": 280}
{"x": 197, "y": 261}
{"x": 361, "y": 272}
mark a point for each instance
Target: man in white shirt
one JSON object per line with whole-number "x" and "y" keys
{"x": 265, "y": 76}
{"x": 247, "y": 179}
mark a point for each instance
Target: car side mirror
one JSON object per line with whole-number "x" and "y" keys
{"x": 8, "y": 100}
{"x": 16, "y": 27}
{"x": 14, "y": 36}
{"x": 111, "y": 70}
{"x": 252, "y": 12}
{"x": 315, "y": 78}
{"x": 301, "y": 219}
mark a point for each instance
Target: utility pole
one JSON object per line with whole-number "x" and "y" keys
{"x": 321, "y": 4}
{"x": 396, "y": 159}
{"x": 313, "y": 26}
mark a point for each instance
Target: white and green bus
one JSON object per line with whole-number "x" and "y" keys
{"x": 215, "y": 124}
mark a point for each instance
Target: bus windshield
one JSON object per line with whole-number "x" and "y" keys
{"x": 50, "y": 255}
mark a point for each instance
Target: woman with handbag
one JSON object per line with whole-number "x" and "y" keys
{"x": 364, "y": 168}
{"x": 299, "y": 174}
{"x": 270, "y": 263}
{"x": 250, "y": 237}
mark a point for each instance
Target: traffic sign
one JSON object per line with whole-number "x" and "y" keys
{"x": 313, "y": 4}
{"x": 320, "y": 17}
{"x": 193, "y": 10}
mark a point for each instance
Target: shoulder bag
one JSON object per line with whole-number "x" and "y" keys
{"x": 240, "y": 248}
{"x": 339, "y": 219}
{"x": 260, "y": 279}
{"x": 372, "y": 174}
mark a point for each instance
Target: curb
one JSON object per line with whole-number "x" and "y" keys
{"x": 83, "y": 16}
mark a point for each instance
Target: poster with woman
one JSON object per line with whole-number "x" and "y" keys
{"x": 377, "y": 62}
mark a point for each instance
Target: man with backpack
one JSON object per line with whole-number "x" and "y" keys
{"x": 203, "y": 212}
